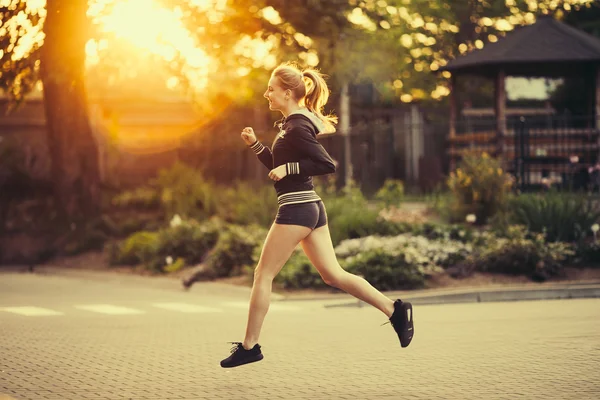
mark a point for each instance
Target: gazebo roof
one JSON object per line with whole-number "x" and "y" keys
{"x": 547, "y": 41}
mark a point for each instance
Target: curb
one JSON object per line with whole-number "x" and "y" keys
{"x": 496, "y": 293}
{"x": 582, "y": 290}
{"x": 169, "y": 283}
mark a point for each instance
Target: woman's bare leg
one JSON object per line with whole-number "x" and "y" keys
{"x": 279, "y": 245}
{"x": 319, "y": 250}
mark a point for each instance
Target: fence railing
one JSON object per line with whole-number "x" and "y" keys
{"x": 539, "y": 150}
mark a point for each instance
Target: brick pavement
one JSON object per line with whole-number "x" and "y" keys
{"x": 530, "y": 350}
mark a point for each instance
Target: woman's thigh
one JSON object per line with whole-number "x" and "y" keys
{"x": 279, "y": 245}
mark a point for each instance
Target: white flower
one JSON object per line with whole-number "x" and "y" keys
{"x": 595, "y": 228}
{"x": 175, "y": 221}
{"x": 471, "y": 218}
{"x": 169, "y": 260}
{"x": 574, "y": 159}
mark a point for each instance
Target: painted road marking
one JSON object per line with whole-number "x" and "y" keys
{"x": 186, "y": 308}
{"x": 109, "y": 309}
{"x": 272, "y": 307}
{"x": 31, "y": 311}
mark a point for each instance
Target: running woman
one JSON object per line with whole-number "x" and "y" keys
{"x": 294, "y": 158}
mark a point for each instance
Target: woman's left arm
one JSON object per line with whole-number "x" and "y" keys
{"x": 314, "y": 159}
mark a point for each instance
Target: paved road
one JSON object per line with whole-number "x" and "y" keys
{"x": 65, "y": 338}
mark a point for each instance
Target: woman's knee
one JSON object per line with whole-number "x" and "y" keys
{"x": 262, "y": 273}
{"x": 334, "y": 279}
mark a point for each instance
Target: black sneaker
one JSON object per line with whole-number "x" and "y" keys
{"x": 240, "y": 356}
{"x": 402, "y": 321}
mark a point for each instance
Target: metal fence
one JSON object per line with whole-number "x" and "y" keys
{"x": 539, "y": 150}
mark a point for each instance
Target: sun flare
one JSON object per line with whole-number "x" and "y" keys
{"x": 149, "y": 27}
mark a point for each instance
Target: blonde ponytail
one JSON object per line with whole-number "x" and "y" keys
{"x": 308, "y": 86}
{"x": 317, "y": 94}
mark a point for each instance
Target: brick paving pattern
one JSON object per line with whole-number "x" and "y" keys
{"x": 528, "y": 350}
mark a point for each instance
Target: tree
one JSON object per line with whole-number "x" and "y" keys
{"x": 60, "y": 65}
{"x": 440, "y": 30}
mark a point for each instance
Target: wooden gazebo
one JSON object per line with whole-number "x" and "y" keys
{"x": 547, "y": 48}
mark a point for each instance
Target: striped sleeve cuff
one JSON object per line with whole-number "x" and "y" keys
{"x": 257, "y": 147}
{"x": 292, "y": 168}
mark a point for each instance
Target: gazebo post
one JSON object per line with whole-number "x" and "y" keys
{"x": 452, "y": 128}
{"x": 500, "y": 109}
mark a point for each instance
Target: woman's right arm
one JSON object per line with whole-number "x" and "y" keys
{"x": 262, "y": 152}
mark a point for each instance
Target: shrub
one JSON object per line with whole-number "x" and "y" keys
{"x": 138, "y": 248}
{"x": 183, "y": 191}
{"x": 479, "y": 186}
{"x": 245, "y": 204}
{"x": 138, "y": 198}
{"x": 427, "y": 255}
{"x": 351, "y": 216}
{"x": 391, "y": 193}
{"x": 299, "y": 273}
{"x": 386, "y": 271}
{"x": 235, "y": 249}
{"x": 521, "y": 255}
{"x": 561, "y": 216}
{"x": 588, "y": 254}
{"x": 188, "y": 241}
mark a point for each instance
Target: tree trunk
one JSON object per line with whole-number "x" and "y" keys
{"x": 73, "y": 151}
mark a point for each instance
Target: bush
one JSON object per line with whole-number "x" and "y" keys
{"x": 183, "y": 191}
{"x": 385, "y": 271}
{"x": 139, "y": 198}
{"x": 560, "y": 216}
{"x": 427, "y": 255}
{"x": 235, "y": 249}
{"x": 523, "y": 255}
{"x": 588, "y": 254}
{"x": 391, "y": 193}
{"x": 141, "y": 247}
{"x": 187, "y": 240}
{"x": 245, "y": 204}
{"x": 479, "y": 186}
{"x": 350, "y": 215}
{"x": 299, "y": 273}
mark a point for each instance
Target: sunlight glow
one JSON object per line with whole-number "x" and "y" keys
{"x": 24, "y": 35}
{"x": 271, "y": 15}
{"x": 160, "y": 31}
{"x": 358, "y": 17}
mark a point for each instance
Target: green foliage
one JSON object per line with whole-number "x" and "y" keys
{"x": 520, "y": 254}
{"x": 184, "y": 192}
{"x": 181, "y": 190}
{"x": 391, "y": 193}
{"x": 178, "y": 265}
{"x": 351, "y": 216}
{"x": 139, "y": 198}
{"x": 561, "y": 216}
{"x": 141, "y": 247}
{"x": 235, "y": 249}
{"x": 187, "y": 240}
{"x": 588, "y": 254}
{"x": 299, "y": 273}
{"x": 386, "y": 271}
{"x": 246, "y": 204}
{"x": 479, "y": 186}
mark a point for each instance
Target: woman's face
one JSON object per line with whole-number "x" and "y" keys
{"x": 276, "y": 95}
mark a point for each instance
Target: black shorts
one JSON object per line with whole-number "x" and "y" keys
{"x": 312, "y": 215}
